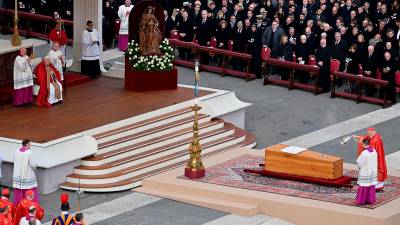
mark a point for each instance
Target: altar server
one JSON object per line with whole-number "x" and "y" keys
{"x": 24, "y": 178}
{"x": 367, "y": 175}
{"x": 57, "y": 58}
{"x": 23, "y": 79}
{"x": 90, "y": 64}
{"x": 24, "y": 208}
{"x": 49, "y": 80}
{"x": 123, "y": 14}
{"x": 377, "y": 144}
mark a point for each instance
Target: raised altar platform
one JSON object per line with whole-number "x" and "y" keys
{"x": 102, "y": 119}
{"x": 227, "y": 188}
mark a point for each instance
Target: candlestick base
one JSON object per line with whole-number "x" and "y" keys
{"x": 195, "y": 173}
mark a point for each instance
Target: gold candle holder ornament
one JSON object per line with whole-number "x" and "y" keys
{"x": 16, "y": 40}
{"x": 195, "y": 168}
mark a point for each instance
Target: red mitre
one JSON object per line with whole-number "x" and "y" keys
{"x": 371, "y": 129}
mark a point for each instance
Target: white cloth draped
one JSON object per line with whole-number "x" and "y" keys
{"x": 90, "y": 51}
{"x": 368, "y": 164}
{"x": 22, "y": 73}
{"x": 122, "y": 14}
{"x": 52, "y": 95}
{"x": 24, "y": 177}
{"x": 56, "y": 61}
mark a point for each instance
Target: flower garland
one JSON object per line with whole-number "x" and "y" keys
{"x": 151, "y": 62}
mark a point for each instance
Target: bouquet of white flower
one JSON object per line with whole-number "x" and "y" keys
{"x": 152, "y": 62}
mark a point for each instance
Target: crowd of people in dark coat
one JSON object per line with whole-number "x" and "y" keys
{"x": 355, "y": 32}
{"x": 362, "y": 34}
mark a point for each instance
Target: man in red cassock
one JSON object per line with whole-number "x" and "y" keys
{"x": 49, "y": 80}
{"x": 23, "y": 207}
{"x": 377, "y": 144}
{"x": 5, "y": 202}
{"x": 4, "y": 217}
{"x": 57, "y": 34}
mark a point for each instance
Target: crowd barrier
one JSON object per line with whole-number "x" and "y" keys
{"x": 359, "y": 82}
{"x": 291, "y": 82}
{"x": 226, "y": 56}
{"x": 27, "y": 23}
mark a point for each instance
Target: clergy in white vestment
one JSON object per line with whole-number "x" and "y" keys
{"x": 24, "y": 178}
{"x": 367, "y": 175}
{"x": 123, "y": 14}
{"x": 23, "y": 79}
{"x": 57, "y": 58}
{"x": 90, "y": 64}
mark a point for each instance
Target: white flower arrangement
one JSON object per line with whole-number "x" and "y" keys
{"x": 153, "y": 62}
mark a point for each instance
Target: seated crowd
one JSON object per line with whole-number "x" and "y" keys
{"x": 362, "y": 34}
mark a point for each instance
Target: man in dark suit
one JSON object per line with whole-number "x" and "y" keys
{"x": 272, "y": 36}
{"x": 345, "y": 12}
{"x": 323, "y": 56}
{"x": 203, "y": 34}
{"x": 369, "y": 65}
{"x": 185, "y": 29}
{"x": 339, "y": 50}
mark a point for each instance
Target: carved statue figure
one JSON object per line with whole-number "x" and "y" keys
{"x": 149, "y": 34}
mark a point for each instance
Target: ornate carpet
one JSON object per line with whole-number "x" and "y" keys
{"x": 230, "y": 173}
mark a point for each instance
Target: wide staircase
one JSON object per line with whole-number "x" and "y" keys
{"x": 130, "y": 153}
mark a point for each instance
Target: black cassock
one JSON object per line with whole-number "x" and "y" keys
{"x": 324, "y": 55}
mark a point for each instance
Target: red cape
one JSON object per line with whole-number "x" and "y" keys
{"x": 41, "y": 79}
{"x": 61, "y": 37}
{"x": 5, "y": 220}
{"x": 11, "y": 207}
{"x": 377, "y": 144}
{"x": 22, "y": 210}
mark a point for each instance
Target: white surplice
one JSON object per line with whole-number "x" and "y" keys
{"x": 22, "y": 72}
{"x": 24, "y": 176}
{"x": 90, "y": 51}
{"x": 124, "y": 17}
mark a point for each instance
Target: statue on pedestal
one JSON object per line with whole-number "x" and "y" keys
{"x": 149, "y": 34}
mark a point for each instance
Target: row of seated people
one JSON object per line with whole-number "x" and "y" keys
{"x": 389, "y": 69}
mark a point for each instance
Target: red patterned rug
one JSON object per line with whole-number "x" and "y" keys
{"x": 230, "y": 173}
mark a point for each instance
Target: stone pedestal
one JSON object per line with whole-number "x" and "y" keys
{"x": 195, "y": 174}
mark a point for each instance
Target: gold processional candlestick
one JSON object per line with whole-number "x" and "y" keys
{"x": 16, "y": 40}
{"x": 195, "y": 168}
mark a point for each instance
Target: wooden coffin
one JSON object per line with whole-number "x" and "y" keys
{"x": 307, "y": 163}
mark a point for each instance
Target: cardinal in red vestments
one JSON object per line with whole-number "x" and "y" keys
{"x": 5, "y": 202}
{"x": 23, "y": 207}
{"x": 49, "y": 80}
{"x": 377, "y": 144}
{"x": 58, "y": 35}
{"x": 4, "y": 217}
